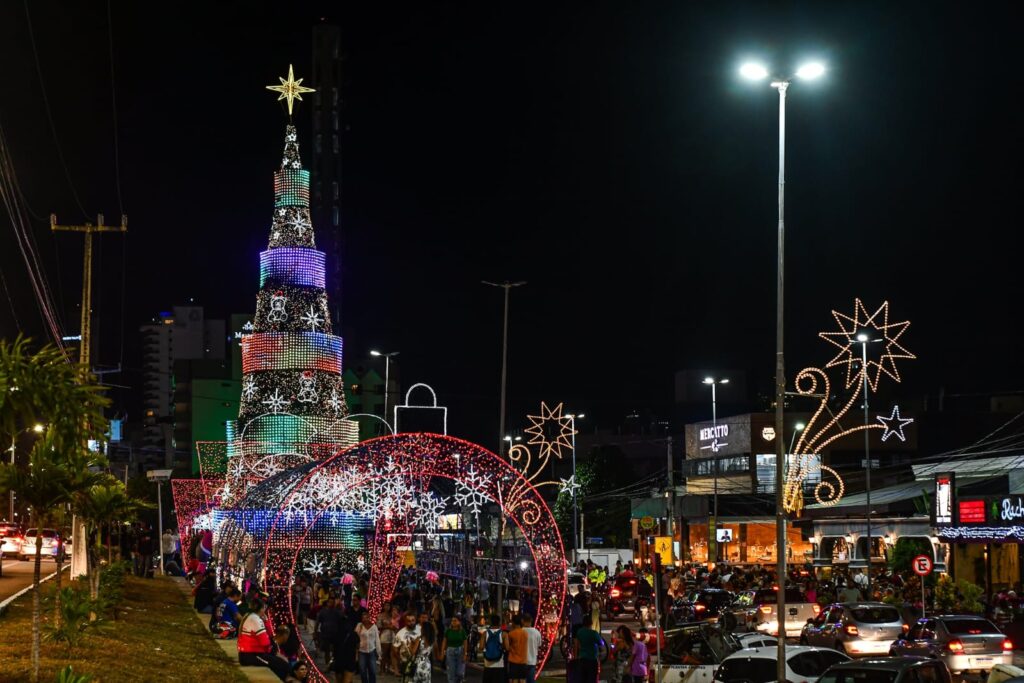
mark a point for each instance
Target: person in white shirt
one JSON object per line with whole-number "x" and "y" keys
{"x": 404, "y": 640}
{"x": 369, "y": 648}
{"x": 533, "y": 640}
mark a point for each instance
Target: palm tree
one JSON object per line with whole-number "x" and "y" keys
{"x": 43, "y": 386}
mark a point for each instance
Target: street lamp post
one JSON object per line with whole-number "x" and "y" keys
{"x": 714, "y": 452}
{"x": 38, "y": 429}
{"x": 387, "y": 377}
{"x": 507, "y": 286}
{"x": 864, "y": 339}
{"x": 577, "y": 542}
{"x": 758, "y": 72}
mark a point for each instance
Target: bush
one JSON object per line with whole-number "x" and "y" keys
{"x": 75, "y": 610}
{"x": 68, "y": 675}
{"x": 962, "y": 596}
{"x": 111, "y": 590}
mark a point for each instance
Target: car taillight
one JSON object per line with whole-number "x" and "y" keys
{"x": 817, "y": 609}
{"x": 955, "y": 646}
{"x": 699, "y": 607}
{"x": 615, "y": 593}
{"x": 766, "y": 609}
{"x": 851, "y": 630}
{"x": 1007, "y": 645}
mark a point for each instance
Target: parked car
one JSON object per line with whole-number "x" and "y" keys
{"x": 758, "y": 665}
{"x": 10, "y": 539}
{"x": 861, "y": 628}
{"x": 755, "y": 611}
{"x": 50, "y": 544}
{"x": 964, "y": 643}
{"x": 706, "y": 604}
{"x": 755, "y": 639}
{"x": 888, "y": 670}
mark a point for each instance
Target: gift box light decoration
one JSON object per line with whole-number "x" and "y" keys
{"x": 826, "y": 424}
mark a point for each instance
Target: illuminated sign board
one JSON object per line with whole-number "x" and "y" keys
{"x": 971, "y": 511}
{"x": 945, "y": 489}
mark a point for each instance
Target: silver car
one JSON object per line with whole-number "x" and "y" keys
{"x": 967, "y": 644}
{"x": 856, "y": 628}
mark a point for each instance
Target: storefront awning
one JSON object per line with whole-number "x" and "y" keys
{"x": 889, "y": 494}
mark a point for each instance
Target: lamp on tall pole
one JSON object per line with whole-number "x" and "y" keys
{"x": 38, "y": 429}
{"x": 577, "y": 542}
{"x": 713, "y": 382}
{"x": 863, "y": 338}
{"x": 757, "y": 72}
{"x": 387, "y": 377}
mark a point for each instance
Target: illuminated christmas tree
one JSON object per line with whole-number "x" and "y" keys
{"x": 292, "y": 388}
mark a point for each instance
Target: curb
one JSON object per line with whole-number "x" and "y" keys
{"x": 4, "y": 605}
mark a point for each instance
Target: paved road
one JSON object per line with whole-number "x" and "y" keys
{"x": 18, "y": 575}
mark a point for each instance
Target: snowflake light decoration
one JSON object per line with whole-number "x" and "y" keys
{"x": 550, "y": 431}
{"x": 249, "y": 390}
{"x": 312, "y": 319}
{"x": 429, "y": 509}
{"x": 316, "y": 566}
{"x": 276, "y": 402}
{"x": 469, "y": 494}
{"x": 335, "y": 402}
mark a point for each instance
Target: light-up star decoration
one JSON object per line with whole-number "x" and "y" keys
{"x": 290, "y": 90}
{"x": 877, "y": 326}
{"x": 826, "y": 424}
{"x": 894, "y": 424}
{"x": 550, "y": 430}
{"x": 570, "y": 485}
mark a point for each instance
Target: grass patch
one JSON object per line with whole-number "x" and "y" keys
{"x": 156, "y": 638}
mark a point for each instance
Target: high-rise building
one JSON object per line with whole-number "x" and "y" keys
{"x": 182, "y": 334}
{"x": 328, "y": 127}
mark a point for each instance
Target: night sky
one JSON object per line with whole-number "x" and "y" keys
{"x": 606, "y": 153}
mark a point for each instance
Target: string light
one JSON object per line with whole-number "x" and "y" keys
{"x": 291, "y": 350}
{"x": 539, "y": 431}
{"x": 825, "y": 425}
{"x": 291, "y": 187}
{"x": 294, "y": 266}
{"x": 899, "y": 422}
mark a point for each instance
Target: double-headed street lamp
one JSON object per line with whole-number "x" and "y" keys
{"x": 38, "y": 428}
{"x": 387, "y": 377}
{"x": 758, "y": 72}
{"x": 714, "y": 382}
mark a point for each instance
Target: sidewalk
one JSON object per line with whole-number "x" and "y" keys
{"x": 258, "y": 674}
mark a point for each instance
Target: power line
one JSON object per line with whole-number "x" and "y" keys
{"x": 49, "y": 115}
{"x": 113, "y": 106}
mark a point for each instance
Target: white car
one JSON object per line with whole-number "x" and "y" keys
{"x": 755, "y": 639}
{"x": 757, "y": 665}
{"x": 50, "y": 544}
{"x": 10, "y": 539}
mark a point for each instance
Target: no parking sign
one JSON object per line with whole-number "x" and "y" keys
{"x": 922, "y": 565}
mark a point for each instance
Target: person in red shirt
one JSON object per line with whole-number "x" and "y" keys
{"x": 255, "y": 647}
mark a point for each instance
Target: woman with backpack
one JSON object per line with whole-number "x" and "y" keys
{"x": 495, "y": 644}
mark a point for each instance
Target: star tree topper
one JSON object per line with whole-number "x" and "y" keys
{"x": 290, "y": 90}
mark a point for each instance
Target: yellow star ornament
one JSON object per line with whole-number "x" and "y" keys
{"x": 550, "y": 439}
{"x": 290, "y": 90}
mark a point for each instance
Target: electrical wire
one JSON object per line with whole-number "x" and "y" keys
{"x": 49, "y": 114}
{"x": 113, "y": 107}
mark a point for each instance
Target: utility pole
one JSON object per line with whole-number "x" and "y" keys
{"x": 507, "y": 286}
{"x": 87, "y": 230}
{"x": 670, "y": 496}
{"x": 78, "y": 550}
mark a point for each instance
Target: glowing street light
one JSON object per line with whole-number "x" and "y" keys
{"x": 757, "y": 72}
{"x": 387, "y": 375}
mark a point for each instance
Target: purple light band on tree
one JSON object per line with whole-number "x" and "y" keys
{"x": 292, "y": 266}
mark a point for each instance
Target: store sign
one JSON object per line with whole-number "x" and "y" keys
{"x": 1011, "y": 509}
{"x": 971, "y": 511}
{"x": 944, "y": 491}
{"x": 768, "y": 433}
{"x": 709, "y": 437}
